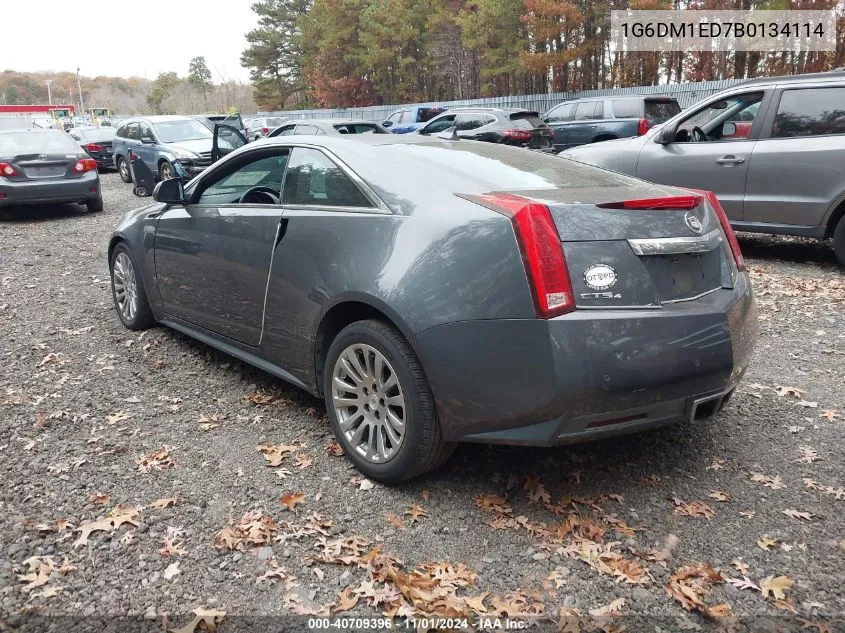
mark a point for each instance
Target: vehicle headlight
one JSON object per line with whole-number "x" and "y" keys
{"x": 182, "y": 153}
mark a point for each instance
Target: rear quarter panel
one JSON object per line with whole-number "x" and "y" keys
{"x": 449, "y": 260}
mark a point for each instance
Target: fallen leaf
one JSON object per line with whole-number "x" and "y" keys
{"x": 775, "y": 483}
{"x": 157, "y": 460}
{"x": 830, "y": 414}
{"x": 693, "y": 508}
{"x": 610, "y": 609}
{"x": 717, "y": 464}
{"x": 415, "y": 512}
{"x": 160, "y": 504}
{"x": 346, "y": 600}
{"x": 808, "y": 454}
{"x": 798, "y": 515}
{"x": 120, "y": 416}
{"x": 303, "y": 461}
{"x": 366, "y": 484}
{"x": 292, "y": 499}
{"x": 718, "y": 495}
{"x": 208, "y": 619}
{"x": 99, "y": 498}
{"x": 776, "y": 586}
{"x": 741, "y": 567}
{"x": 171, "y": 571}
{"x": 276, "y": 453}
{"x": 394, "y": 520}
{"x": 806, "y": 404}
{"x": 253, "y": 529}
{"x": 335, "y": 449}
{"x": 766, "y": 542}
{"x": 795, "y": 392}
{"x": 744, "y": 583}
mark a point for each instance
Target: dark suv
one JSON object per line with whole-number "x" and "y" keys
{"x": 508, "y": 126}
{"x": 604, "y": 118}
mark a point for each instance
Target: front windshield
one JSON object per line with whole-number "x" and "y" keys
{"x": 181, "y": 130}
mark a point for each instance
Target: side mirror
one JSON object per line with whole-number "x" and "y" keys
{"x": 666, "y": 134}
{"x": 170, "y": 191}
{"x": 387, "y": 123}
{"x": 146, "y": 140}
{"x": 728, "y": 129}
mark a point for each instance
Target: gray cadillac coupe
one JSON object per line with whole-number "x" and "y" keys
{"x": 435, "y": 291}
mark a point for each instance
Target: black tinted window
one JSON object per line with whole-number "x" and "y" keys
{"x": 121, "y": 131}
{"x": 313, "y": 179}
{"x": 472, "y": 120}
{"x": 810, "y": 112}
{"x": 627, "y": 108}
{"x": 587, "y": 110}
{"x": 560, "y": 113}
{"x": 359, "y": 128}
{"x": 660, "y": 111}
{"x": 427, "y": 114}
{"x": 132, "y": 131}
{"x": 440, "y": 125}
{"x": 527, "y": 121}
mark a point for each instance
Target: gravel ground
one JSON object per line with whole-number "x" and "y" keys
{"x": 98, "y": 423}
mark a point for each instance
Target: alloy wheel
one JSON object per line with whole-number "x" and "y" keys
{"x": 369, "y": 403}
{"x": 124, "y": 169}
{"x": 125, "y": 286}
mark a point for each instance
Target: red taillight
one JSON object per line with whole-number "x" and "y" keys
{"x": 642, "y": 127}
{"x": 727, "y": 229}
{"x": 85, "y": 164}
{"x": 7, "y": 170}
{"x": 93, "y": 147}
{"x": 517, "y": 135}
{"x": 669, "y": 202}
{"x": 542, "y": 252}
{"x": 265, "y": 130}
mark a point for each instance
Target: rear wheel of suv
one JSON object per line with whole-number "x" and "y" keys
{"x": 123, "y": 169}
{"x": 839, "y": 240}
{"x": 380, "y": 404}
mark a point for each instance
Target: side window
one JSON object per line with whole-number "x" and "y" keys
{"x": 439, "y": 125}
{"x": 472, "y": 121}
{"x": 587, "y": 110}
{"x": 306, "y": 129}
{"x": 560, "y": 113}
{"x": 288, "y": 131}
{"x": 133, "y": 132}
{"x": 145, "y": 131}
{"x": 627, "y": 108}
{"x": 711, "y": 118}
{"x": 121, "y": 131}
{"x": 265, "y": 171}
{"x": 598, "y": 113}
{"x": 313, "y": 179}
{"x": 810, "y": 112}
{"x": 395, "y": 117}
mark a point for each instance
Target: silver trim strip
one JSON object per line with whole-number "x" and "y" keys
{"x": 677, "y": 245}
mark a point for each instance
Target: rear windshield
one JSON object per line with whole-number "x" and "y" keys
{"x": 427, "y": 114}
{"x": 101, "y": 134}
{"x": 527, "y": 120}
{"x": 359, "y": 128}
{"x": 660, "y": 111}
{"x": 628, "y": 108}
{"x": 493, "y": 167}
{"x": 16, "y": 143}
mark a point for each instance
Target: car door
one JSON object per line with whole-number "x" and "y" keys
{"x": 796, "y": 174}
{"x": 213, "y": 253}
{"x": 132, "y": 140}
{"x": 472, "y": 126}
{"x": 558, "y": 119}
{"x": 225, "y": 140}
{"x": 585, "y": 122}
{"x": 147, "y": 148}
{"x": 718, "y": 164}
{"x": 334, "y": 228}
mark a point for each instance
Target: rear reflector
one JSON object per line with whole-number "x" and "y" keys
{"x": 727, "y": 229}
{"x": 541, "y": 250}
{"x": 7, "y": 170}
{"x": 671, "y": 202}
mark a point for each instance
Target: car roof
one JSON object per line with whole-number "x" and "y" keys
{"x": 33, "y": 131}
{"x": 506, "y": 111}
{"x": 331, "y": 121}
{"x": 839, "y": 73}
{"x": 161, "y": 118}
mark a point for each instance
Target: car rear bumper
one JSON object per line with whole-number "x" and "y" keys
{"x": 51, "y": 191}
{"x": 590, "y": 373}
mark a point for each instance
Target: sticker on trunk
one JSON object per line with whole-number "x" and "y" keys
{"x": 600, "y": 277}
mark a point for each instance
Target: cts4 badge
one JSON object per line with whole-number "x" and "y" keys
{"x": 600, "y": 277}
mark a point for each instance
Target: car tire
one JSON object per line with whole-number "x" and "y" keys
{"x": 421, "y": 447}
{"x": 839, "y": 241}
{"x": 127, "y": 287}
{"x": 95, "y": 205}
{"x": 123, "y": 169}
{"x": 166, "y": 171}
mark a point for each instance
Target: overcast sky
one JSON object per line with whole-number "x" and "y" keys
{"x": 126, "y": 38}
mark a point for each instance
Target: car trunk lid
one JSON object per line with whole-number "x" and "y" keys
{"x": 43, "y": 166}
{"x": 626, "y": 247}
{"x": 531, "y": 130}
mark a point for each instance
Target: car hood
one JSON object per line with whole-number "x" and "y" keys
{"x": 197, "y": 146}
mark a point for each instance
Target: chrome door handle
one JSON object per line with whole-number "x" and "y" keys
{"x": 730, "y": 160}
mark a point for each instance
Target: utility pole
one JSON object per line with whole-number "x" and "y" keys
{"x": 79, "y": 87}
{"x": 49, "y": 83}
